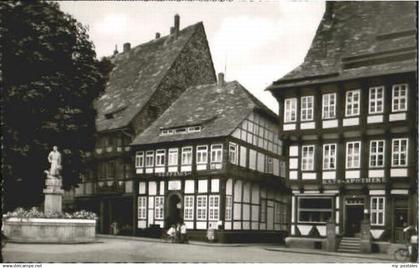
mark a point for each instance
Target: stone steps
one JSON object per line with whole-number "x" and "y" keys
{"x": 349, "y": 244}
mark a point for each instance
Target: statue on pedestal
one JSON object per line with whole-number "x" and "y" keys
{"x": 54, "y": 157}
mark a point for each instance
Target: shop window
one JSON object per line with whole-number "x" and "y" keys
{"x": 189, "y": 207}
{"x": 314, "y": 210}
{"x": 142, "y": 207}
{"x": 377, "y": 211}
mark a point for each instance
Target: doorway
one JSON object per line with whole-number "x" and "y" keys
{"x": 354, "y": 217}
{"x": 174, "y": 210}
{"x": 400, "y": 219}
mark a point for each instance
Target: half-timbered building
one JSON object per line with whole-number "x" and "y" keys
{"x": 212, "y": 160}
{"x": 144, "y": 82}
{"x": 349, "y": 120}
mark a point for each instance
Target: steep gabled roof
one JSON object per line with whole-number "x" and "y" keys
{"x": 136, "y": 76}
{"x": 217, "y": 109}
{"x": 359, "y": 39}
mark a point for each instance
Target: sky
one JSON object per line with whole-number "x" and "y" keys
{"x": 253, "y": 42}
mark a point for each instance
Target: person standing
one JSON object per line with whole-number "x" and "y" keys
{"x": 183, "y": 230}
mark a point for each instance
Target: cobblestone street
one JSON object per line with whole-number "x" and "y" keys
{"x": 128, "y": 250}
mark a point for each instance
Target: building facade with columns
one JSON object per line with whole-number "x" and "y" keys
{"x": 349, "y": 122}
{"x": 144, "y": 81}
{"x": 212, "y": 160}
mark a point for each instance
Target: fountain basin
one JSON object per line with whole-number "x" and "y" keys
{"x": 43, "y": 230}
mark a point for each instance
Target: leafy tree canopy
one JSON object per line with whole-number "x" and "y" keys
{"x": 50, "y": 79}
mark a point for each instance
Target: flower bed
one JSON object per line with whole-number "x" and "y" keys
{"x": 33, "y": 226}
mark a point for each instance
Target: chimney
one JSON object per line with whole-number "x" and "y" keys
{"x": 115, "y": 50}
{"x": 126, "y": 47}
{"x": 172, "y": 30}
{"x": 157, "y": 36}
{"x": 221, "y": 79}
{"x": 176, "y": 24}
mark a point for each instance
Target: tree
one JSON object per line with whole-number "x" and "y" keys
{"x": 50, "y": 78}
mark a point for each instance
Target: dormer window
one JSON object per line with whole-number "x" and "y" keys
{"x": 180, "y": 130}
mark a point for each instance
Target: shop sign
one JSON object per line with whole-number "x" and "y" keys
{"x": 174, "y": 174}
{"x": 355, "y": 181}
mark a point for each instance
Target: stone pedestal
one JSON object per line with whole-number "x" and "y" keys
{"x": 331, "y": 237}
{"x": 53, "y": 194}
{"x": 365, "y": 237}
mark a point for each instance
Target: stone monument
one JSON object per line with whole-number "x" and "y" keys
{"x": 53, "y": 192}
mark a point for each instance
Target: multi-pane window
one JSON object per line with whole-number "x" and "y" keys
{"x": 399, "y": 152}
{"x": 139, "y": 159}
{"x": 228, "y": 209}
{"x": 290, "y": 110}
{"x": 328, "y": 105}
{"x": 263, "y": 210}
{"x": 160, "y": 157}
{"x": 202, "y": 154}
{"x": 377, "y": 210}
{"x": 214, "y": 207}
{"x": 329, "y": 156}
{"x": 201, "y": 207}
{"x": 376, "y": 100}
{"x": 142, "y": 206}
{"x": 233, "y": 153}
{"x": 189, "y": 207}
{"x": 159, "y": 207}
{"x": 399, "y": 97}
{"x": 216, "y": 153}
{"x": 307, "y": 108}
{"x": 314, "y": 210}
{"x": 353, "y": 154}
{"x": 377, "y": 148}
{"x": 308, "y": 153}
{"x": 352, "y": 102}
{"x": 173, "y": 157}
{"x": 186, "y": 156}
{"x": 150, "y": 158}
